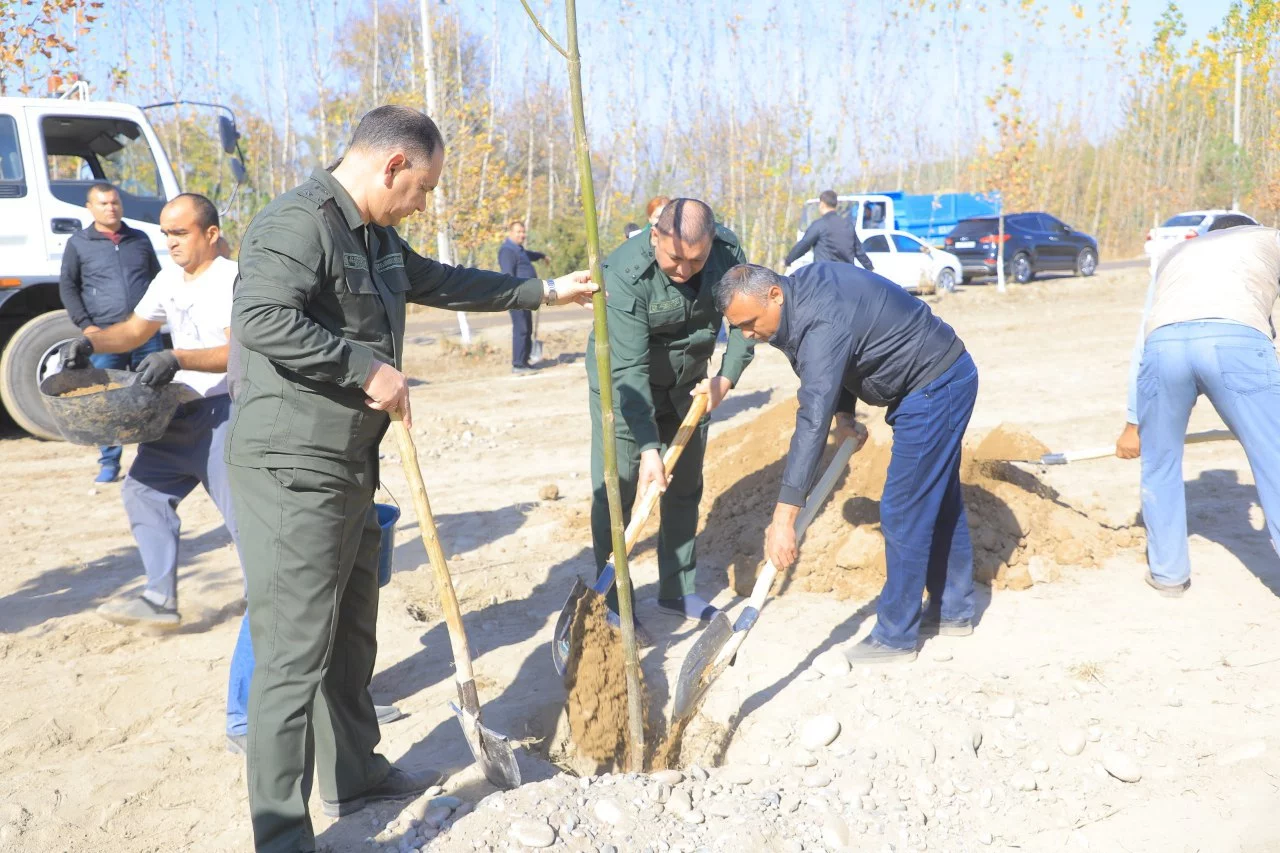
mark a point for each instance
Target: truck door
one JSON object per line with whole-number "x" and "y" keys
{"x": 22, "y": 248}
{"x": 76, "y": 151}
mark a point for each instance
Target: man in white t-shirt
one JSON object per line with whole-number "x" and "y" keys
{"x": 194, "y": 299}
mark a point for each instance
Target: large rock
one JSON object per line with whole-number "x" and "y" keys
{"x": 819, "y": 731}
{"x": 532, "y": 833}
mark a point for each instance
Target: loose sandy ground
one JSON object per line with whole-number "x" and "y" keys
{"x": 111, "y": 739}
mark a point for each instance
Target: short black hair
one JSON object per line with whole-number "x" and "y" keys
{"x": 101, "y": 187}
{"x": 391, "y": 126}
{"x": 692, "y": 219}
{"x": 206, "y": 212}
{"x": 629, "y": 229}
{"x": 829, "y": 198}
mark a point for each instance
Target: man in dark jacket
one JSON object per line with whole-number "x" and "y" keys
{"x": 851, "y": 334}
{"x": 106, "y": 269}
{"x": 831, "y": 236}
{"x": 514, "y": 259}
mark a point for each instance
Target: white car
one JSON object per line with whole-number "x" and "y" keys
{"x": 1186, "y": 226}
{"x": 910, "y": 262}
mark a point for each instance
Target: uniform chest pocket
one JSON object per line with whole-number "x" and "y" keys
{"x": 667, "y": 316}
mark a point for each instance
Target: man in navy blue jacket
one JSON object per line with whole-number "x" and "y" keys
{"x": 852, "y": 335}
{"x": 106, "y": 269}
{"x": 515, "y": 259}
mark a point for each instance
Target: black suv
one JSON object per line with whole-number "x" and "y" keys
{"x": 1033, "y": 243}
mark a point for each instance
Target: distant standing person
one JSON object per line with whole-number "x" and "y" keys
{"x": 514, "y": 259}
{"x": 106, "y": 269}
{"x": 1206, "y": 330}
{"x": 831, "y": 236}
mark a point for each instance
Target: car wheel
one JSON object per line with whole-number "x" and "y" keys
{"x": 1086, "y": 262}
{"x": 947, "y": 280}
{"x": 1021, "y": 268}
{"x": 30, "y": 356}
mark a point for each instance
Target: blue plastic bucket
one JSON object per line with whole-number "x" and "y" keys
{"x": 388, "y": 515}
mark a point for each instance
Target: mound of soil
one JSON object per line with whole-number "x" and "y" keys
{"x": 597, "y": 685}
{"x": 1022, "y": 530}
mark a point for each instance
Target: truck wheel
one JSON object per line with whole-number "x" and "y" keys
{"x": 30, "y": 356}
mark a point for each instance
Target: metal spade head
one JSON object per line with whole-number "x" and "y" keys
{"x": 561, "y": 649}
{"x": 696, "y": 672}
{"x": 492, "y": 751}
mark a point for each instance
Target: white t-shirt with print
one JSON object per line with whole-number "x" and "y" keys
{"x": 198, "y": 313}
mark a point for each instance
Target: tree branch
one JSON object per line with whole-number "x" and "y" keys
{"x": 546, "y": 35}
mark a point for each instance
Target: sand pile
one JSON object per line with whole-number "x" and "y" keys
{"x": 597, "y": 685}
{"x": 1022, "y": 530}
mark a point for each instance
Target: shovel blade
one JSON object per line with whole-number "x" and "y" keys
{"x": 535, "y": 352}
{"x": 561, "y": 649}
{"x": 696, "y": 673}
{"x": 492, "y": 751}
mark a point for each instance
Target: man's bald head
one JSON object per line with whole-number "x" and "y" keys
{"x": 682, "y": 238}
{"x": 688, "y": 219}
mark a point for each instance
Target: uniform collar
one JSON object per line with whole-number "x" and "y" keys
{"x": 346, "y": 203}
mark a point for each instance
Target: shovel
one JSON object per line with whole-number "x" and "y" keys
{"x": 492, "y": 751}
{"x": 1110, "y": 450}
{"x": 535, "y": 348}
{"x": 718, "y": 645}
{"x": 560, "y": 646}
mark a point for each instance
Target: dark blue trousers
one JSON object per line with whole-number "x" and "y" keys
{"x": 521, "y": 337}
{"x": 922, "y": 517}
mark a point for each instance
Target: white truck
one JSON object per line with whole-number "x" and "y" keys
{"x": 51, "y": 151}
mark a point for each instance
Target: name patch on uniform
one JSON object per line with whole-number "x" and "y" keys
{"x": 390, "y": 262}
{"x": 355, "y": 261}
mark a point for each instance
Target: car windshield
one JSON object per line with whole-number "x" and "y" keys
{"x": 1184, "y": 220}
{"x": 970, "y": 228}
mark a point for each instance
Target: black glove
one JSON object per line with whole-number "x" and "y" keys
{"x": 75, "y": 353}
{"x": 158, "y": 368}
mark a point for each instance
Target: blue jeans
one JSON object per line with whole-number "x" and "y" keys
{"x": 521, "y": 337}
{"x": 922, "y": 517}
{"x": 109, "y": 455}
{"x": 1236, "y": 368}
{"x": 238, "y": 682}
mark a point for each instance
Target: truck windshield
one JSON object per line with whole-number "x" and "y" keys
{"x": 80, "y": 150}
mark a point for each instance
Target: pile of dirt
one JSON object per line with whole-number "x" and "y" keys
{"x": 1023, "y": 531}
{"x": 597, "y": 685}
{"x": 91, "y": 389}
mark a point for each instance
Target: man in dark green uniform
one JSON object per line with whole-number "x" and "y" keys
{"x": 318, "y": 318}
{"x": 662, "y": 332}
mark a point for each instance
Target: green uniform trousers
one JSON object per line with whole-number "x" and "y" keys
{"x": 309, "y": 542}
{"x": 677, "y": 555}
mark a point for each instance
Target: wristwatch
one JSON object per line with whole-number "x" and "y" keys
{"x": 550, "y": 297}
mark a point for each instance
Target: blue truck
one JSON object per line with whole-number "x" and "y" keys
{"x": 929, "y": 216}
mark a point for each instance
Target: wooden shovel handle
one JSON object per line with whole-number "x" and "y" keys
{"x": 435, "y": 553}
{"x": 644, "y": 507}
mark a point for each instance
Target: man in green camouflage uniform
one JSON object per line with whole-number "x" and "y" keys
{"x": 662, "y": 333}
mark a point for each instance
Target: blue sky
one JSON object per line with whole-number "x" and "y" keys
{"x": 788, "y": 50}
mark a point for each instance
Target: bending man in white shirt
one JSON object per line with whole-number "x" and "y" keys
{"x": 1206, "y": 330}
{"x": 195, "y": 300}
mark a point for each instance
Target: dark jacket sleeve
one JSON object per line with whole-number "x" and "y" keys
{"x": 466, "y": 289}
{"x": 507, "y": 260}
{"x": 860, "y": 254}
{"x": 821, "y": 361}
{"x": 534, "y": 256}
{"x": 69, "y": 287}
{"x": 281, "y": 269}
{"x": 738, "y": 350}
{"x": 806, "y": 242}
